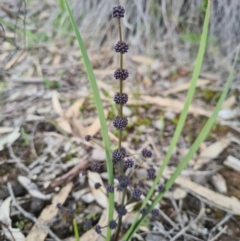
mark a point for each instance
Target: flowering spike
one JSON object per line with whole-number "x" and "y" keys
{"x": 120, "y": 123}
{"x": 120, "y": 99}
{"x": 121, "y": 74}
{"x": 118, "y": 12}
{"x": 121, "y": 47}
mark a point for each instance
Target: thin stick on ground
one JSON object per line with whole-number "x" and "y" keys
{"x": 8, "y": 229}
{"x": 182, "y": 232}
{"x": 29, "y": 215}
{"x": 222, "y": 222}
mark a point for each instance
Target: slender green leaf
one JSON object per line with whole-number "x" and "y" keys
{"x": 203, "y": 134}
{"x": 183, "y": 116}
{"x": 99, "y": 107}
{"x": 75, "y": 229}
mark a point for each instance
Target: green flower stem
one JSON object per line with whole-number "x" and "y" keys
{"x": 120, "y": 164}
{"x": 75, "y": 229}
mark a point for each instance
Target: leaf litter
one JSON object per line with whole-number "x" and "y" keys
{"x": 48, "y": 89}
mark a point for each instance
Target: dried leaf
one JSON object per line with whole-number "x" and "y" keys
{"x": 227, "y": 114}
{"x": 5, "y": 210}
{"x": 48, "y": 213}
{"x": 80, "y": 128}
{"x": 5, "y": 218}
{"x": 142, "y": 59}
{"x": 56, "y": 59}
{"x": 88, "y": 198}
{"x": 185, "y": 86}
{"x": 9, "y": 139}
{"x": 219, "y": 183}
{"x": 32, "y": 188}
{"x": 99, "y": 194}
{"x": 211, "y": 152}
{"x": 73, "y": 111}
{"x": 4, "y": 129}
{"x": 233, "y": 163}
{"x": 95, "y": 127}
{"x": 92, "y": 235}
{"x": 229, "y": 102}
{"x": 228, "y": 204}
{"x": 176, "y": 105}
{"x": 64, "y": 124}
{"x": 179, "y": 193}
{"x": 56, "y": 104}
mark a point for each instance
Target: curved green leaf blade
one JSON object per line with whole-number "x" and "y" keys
{"x": 99, "y": 107}
{"x": 203, "y": 134}
{"x": 183, "y": 116}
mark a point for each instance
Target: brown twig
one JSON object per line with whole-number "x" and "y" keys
{"x": 82, "y": 165}
{"x": 29, "y": 215}
{"x": 8, "y": 229}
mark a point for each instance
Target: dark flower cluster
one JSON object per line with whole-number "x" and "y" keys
{"x": 121, "y": 47}
{"x": 118, "y": 12}
{"x": 88, "y": 224}
{"x": 146, "y": 153}
{"x": 121, "y": 210}
{"x": 161, "y": 188}
{"x": 155, "y": 213}
{"x": 120, "y": 123}
{"x": 98, "y": 229}
{"x": 112, "y": 224}
{"x": 128, "y": 163}
{"x": 97, "y": 185}
{"x": 121, "y": 74}
{"x": 144, "y": 211}
{"x": 88, "y": 138}
{"x": 124, "y": 181}
{"x": 110, "y": 188}
{"x": 151, "y": 173}
{"x": 95, "y": 167}
{"x": 118, "y": 155}
{"x": 120, "y": 99}
{"x": 136, "y": 193}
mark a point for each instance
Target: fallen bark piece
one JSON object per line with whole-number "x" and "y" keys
{"x": 233, "y": 163}
{"x": 49, "y": 212}
{"x": 211, "y": 152}
{"x": 185, "y": 86}
{"x": 229, "y": 204}
{"x": 98, "y": 193}
{"x": 219, "y": 183}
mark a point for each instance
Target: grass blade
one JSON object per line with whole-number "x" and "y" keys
{"x": 99, "y": 107}
{"x": 75, "y": 229}
{"x": 184, "y": 113}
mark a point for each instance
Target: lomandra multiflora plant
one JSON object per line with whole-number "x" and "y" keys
{"x": 120, "y": 165}
{"x": 130, "y": 187}
{"x": 127, "y": 185}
